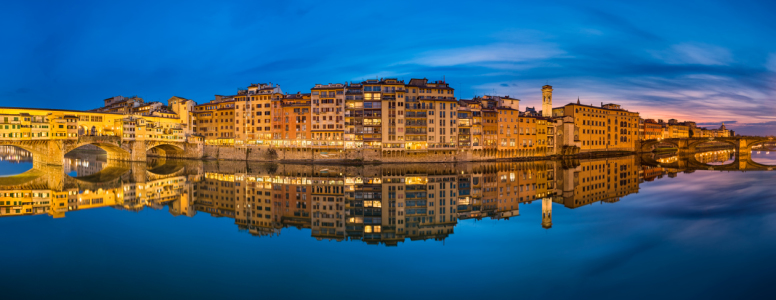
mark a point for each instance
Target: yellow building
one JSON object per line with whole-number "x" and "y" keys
{"x": 183, "y": 109}
{"x": 605, "y": 128}
{"x": 40, "y": 124}
{"x": 216, "y": 121}
{"x": 258, "y": 110}
{"x": 678, "y": 131}
{"x": 508, "y": 128}
{"x": 543, "y": 133}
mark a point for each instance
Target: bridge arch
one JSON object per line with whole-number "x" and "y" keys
{"x": 646, "y": 146}
{"x": 764, "y": 142}
{"x": 693, "y": 144}
{"x": 165, "y": 150}
{"x": 112, "y": 147}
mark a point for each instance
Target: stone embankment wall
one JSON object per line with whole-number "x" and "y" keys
{"x": 271, "y": 154}
{"x": 268, "y": 154}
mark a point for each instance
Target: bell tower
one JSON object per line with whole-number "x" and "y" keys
{"x": 547, "y": 101}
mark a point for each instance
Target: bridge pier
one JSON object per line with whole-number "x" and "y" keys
{"x": 743, "y": 150}
{"x": 683, "y": 147}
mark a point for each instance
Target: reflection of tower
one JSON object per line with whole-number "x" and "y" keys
{"x": 546, "y": 213}
{"x": 547, "y": 101}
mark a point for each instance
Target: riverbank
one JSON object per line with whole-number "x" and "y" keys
{"x": 372, "y": 157}
{"x": 375, "y": 156}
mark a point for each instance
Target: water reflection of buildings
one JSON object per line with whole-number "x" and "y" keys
{"x": 14, "y": 155}
{"x": 84, "y": 164}
{"x": 715, "y": 157}
{"x": 133, "y": 197}
{"x": 382, "y": 204}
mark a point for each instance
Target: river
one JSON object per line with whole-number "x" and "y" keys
{"x": 609, "y": 228}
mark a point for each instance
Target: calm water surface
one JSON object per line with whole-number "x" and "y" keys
{"x": 608, "y": 228}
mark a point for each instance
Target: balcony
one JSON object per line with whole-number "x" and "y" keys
{"x": 415, "y": 131}
{"x": 412, "y": 114}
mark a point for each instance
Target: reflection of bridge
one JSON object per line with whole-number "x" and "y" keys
{"x": 742, "y": 144}
{"x": 689, "y": 161}
{"x": 52, "y": 151}
{"x": 115, "y": 173}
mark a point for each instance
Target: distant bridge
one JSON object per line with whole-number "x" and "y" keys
{"x": 742, "y": 144}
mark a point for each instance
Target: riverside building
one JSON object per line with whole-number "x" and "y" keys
{"x": 419, "y": 117}
{"x": 604, "y": 128}
{"x": 328, "y": 117}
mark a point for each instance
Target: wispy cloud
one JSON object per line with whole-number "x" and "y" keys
{"x": 490, "y": 54}
{"x": 695, "y": 54}
{"x": 717, "y": 123}
{"x": 617, "y": 22}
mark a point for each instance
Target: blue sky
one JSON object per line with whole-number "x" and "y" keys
{"x": 709, "y": 61}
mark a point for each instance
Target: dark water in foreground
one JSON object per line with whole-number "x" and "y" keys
{"x": 608, "y": 228}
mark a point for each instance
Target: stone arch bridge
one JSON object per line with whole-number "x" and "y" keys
{"x": 742, "y": 144}
{"x": 52, "y": 151}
